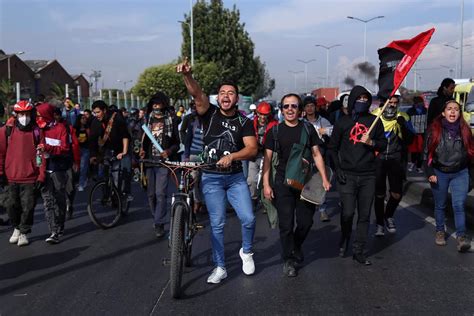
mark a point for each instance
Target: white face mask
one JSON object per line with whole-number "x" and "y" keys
{"x": 24, "y": 120}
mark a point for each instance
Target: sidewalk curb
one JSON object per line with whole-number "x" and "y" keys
{"x": 417, "y": 191}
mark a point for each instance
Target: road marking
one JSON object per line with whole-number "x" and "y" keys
{"x": 425, "y": 217}
{"x": 431, "y": 221}
{"x": 159, "y": 298}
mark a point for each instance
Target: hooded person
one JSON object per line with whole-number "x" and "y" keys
{"x": 164, "y": 129}
{"x": 353, "y": 152}
{"x": 21, "y": 169}
{"x": 391, "y": 164}
{"x": 437, "y": 104}
{"x": 57, "y": 152}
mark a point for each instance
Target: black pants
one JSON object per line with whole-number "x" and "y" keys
{"x": 21, "y": 203}
{"x": 357, "y": 192}
{"x": 393, "y": 170}
{"x": 287, "y": 202}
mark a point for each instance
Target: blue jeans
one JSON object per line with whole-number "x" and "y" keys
{"x": 458, "y": 184}
{"x": 216, "y": 187}
{"x": 157, "y": 178}
{"x": 84, "y": 168}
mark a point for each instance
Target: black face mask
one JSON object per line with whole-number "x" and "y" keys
{"x": 361, "y": 106}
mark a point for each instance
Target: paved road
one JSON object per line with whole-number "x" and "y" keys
{"x": 120, "y": 272}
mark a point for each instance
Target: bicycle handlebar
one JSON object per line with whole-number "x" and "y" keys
{"x": 178, "y": 164}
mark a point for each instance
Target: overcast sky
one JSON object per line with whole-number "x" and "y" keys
{"x": 123, "y": 37}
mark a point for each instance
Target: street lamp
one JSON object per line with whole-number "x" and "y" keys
{"x": 124, "y": 83}
{"x": 294, "y": 74}
{"x": 191, "y": 31}
{"x": 124, "y": 90}
{"x": 8, "y": 63}
{"x": 460, "y": 58}
{"x": 327, "y": 59}
{"x": 365, "y": 30}
{"x": 306, "y": 62}
{"x": 450, "y": 69}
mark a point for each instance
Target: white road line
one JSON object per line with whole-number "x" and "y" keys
{"x": 425, "y": 217}
{"x": 159, "y": 298}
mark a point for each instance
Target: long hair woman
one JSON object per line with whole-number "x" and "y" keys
{"x": 449, "y": 149}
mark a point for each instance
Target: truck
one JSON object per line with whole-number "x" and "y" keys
{"x": 464, "y": 95}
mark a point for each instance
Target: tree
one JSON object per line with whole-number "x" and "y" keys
{"x": 7, "y": 93}
{"x": 219, "y": 37}
{"x": 164, "y": 78}
{"x": 266, "y": 85}
{"x": 59, "y": 91}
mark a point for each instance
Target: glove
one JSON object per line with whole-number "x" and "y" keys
{"x": 340, "y": 176}
{"x": 401, "y": 121}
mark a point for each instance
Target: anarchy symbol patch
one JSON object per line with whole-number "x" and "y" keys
{"x": 357, "y": 131}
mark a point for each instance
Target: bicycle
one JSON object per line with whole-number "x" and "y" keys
{"x": 106, "y": 203}
{"x": 183, "y": 226}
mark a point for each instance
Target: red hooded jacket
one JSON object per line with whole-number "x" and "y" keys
{"x": 57, "y": 146}
{"x": 18, "y": 155}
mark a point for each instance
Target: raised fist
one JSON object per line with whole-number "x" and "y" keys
{"x": 184, "y": 67}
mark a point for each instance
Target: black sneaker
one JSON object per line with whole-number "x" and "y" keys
{"x": 289, "y": 269}
{"x": 53, "y": 239}
{"x": 362, "y": 259}
{"x": 159, "y": 230}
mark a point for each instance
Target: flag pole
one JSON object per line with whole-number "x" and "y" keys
{"x": 378, "y": 116}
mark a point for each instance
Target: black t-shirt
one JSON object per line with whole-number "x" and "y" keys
{"x": 287, "y": 136}
{"x": 224, "y": 135}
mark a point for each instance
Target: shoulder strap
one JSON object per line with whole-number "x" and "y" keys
{"x": 276, "y": 144}
{"x": 37, "y": 134}
{"x": 304, "y": 138}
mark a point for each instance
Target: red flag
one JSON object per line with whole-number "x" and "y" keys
{"x": 397, "y": 59}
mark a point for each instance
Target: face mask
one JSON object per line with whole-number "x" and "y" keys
{"x": 24, "y": 120}
{"x": 361, "y": 106}
{"x": 390, "y": 112}
{"x": 41, "y": 123}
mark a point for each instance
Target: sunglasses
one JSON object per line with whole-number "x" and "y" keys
{"x": 293, "y": 106}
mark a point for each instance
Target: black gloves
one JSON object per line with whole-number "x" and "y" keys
{"x": 340, "y": 176}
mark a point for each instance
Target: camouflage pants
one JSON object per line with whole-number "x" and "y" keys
{"x": 20, "y": 205}
{"x": 54, "y": 199}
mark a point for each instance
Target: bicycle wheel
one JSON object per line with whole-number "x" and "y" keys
{"x": 188, "y": 250}
{"x": 177, "y": 247}
{"x": 125, "y": 205}
{"x": 105, "y": 205}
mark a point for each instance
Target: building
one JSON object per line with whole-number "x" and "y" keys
{"x": 47, "y": 77}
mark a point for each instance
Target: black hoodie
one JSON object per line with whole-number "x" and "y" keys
{"x": 355, "y": 157}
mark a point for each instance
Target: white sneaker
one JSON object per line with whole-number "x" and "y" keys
{"x": 217, "y": 275}
{"x": 391, "y": 225}
{"x": 380, "y": 231}
{"x": 80, "y": 188}
{"x": 15, "y": 236}
{"x": 22, "y": 240}
{"x": 411, "y": 166}
{"x": 248, "y": 265}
